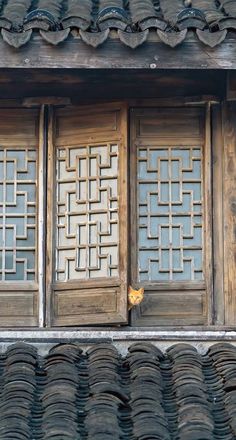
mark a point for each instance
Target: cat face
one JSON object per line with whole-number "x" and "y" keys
{"x": 135, "y": 297}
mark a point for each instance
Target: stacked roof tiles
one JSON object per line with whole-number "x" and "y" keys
{"x": 133, "y": 19}
{"x": 100, "y": 395}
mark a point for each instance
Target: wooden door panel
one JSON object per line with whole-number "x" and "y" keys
{"x": 172, "y": 308}
{"x": 169, "y": 125}
{"x": 171, "y": 215}
{"x": 87, "y": 278}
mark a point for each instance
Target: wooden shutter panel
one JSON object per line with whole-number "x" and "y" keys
{"x": 171, "y": 187}
{"x": 19, "y": 180}
{"x": 87, "y": 234}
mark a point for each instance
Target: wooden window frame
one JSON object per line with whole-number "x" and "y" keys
{"x": 209, "y": 230}
{"x": 221, "y": 309}
{"x": 28, "y": 293}
{"x": 118, "y": 285}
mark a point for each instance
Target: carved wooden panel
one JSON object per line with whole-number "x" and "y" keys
{"x": 87, "y": 238}
{"x": 169, "y": 206}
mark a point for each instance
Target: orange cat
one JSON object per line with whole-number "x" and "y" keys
{"x": 135, "y": 297}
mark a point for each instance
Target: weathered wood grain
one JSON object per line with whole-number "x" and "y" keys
{"x": 19, "y": 128}
{"x": 207, "y": 206}
{"x": 92, "y": 300}
{"x": 93, "y": 86}
{"x": 113, "y": 54}
{"x": 229, "y": 209}
{"x": 171, "y": 309}
{"x": 218, "y": 216}
{"x": 189, "y": 302}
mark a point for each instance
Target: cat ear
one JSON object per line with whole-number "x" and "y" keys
{"x": 142, "y": 290}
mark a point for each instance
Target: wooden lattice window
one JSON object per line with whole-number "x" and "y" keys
{"x": 19, "y": 208}
{"x": 84, "y": 212}
{"x": 63, "y": 243}
{"x": 87, "y": 236}
{"x": 18, "y": 180}
{"x": 171, "y": 258}
{"x": 87, "y": 242}
{"x": 170, "y": 210}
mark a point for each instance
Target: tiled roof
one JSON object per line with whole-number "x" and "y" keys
{"x": 97, "y": 394}
{"x": 133, "y": 20}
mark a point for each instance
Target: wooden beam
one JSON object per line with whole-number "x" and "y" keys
{"x": 45, "y": 100}
{"x": 74, "y": 53}
{"x": 100, "y": 85}
{"x": 198, "y": 336}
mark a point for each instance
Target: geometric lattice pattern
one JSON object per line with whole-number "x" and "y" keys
{"x": 87, "y": 212}
{"x": 18, "y": 179}
{"x": 170, "y": 233}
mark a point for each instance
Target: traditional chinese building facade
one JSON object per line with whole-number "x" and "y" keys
{"x": 118, "y": 170}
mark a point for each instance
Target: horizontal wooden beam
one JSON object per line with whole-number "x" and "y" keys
{"x": 46, "y": 100}
{"x": 74, "y": 53}
{"x": 126, "y": 334}
{"x": 45, "y": 340}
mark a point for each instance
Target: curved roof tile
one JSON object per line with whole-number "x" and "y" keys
{"x": 133, "y": 19}
{"x": 98, "y": 394}
{"x": 15, "y": 11}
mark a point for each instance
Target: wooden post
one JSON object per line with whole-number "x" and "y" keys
{"x": 218, "y": 234}
{"x": 229, "y": 210}
{"x": 43, "y": 135}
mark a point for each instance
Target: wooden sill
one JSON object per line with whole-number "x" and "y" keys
{"x": 128, "y": 334}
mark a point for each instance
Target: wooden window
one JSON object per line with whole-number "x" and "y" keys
{"x": 19, "y": 204}
{"x": 171, "y": 209}
{"x": 70, "y": 222}
{"x": 74, "y": 231}
{"x": 87, "y": 275}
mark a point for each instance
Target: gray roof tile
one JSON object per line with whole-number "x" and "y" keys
{"x": 210, "y": 18}
{"x": 96, "y": 394}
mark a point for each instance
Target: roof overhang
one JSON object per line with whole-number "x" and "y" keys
{"x": 160, "y": 34}
{"x": 153, "y": 54}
